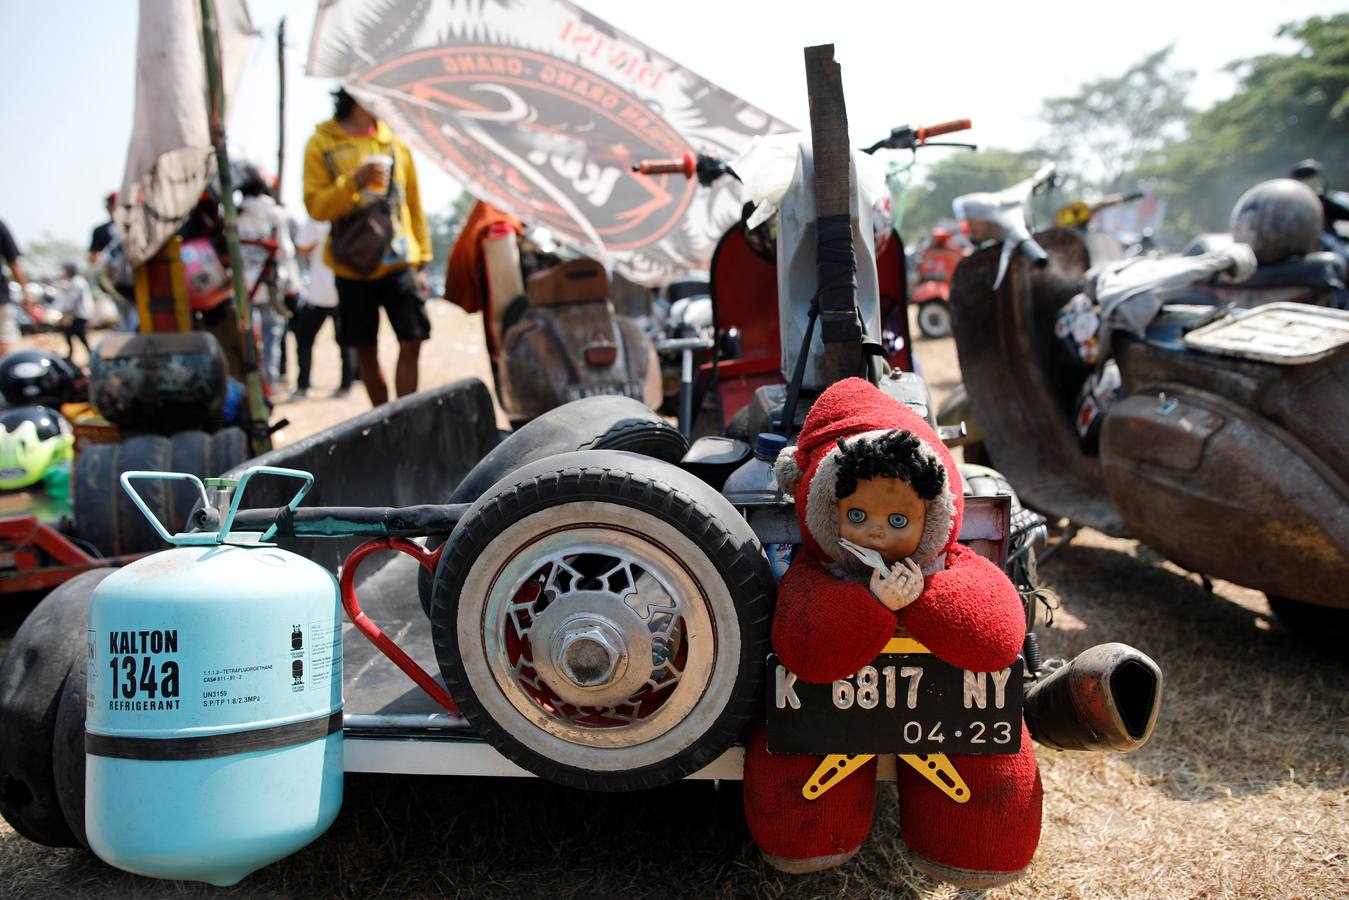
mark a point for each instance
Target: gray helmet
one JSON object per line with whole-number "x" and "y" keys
{"x": 1278, "y": 219}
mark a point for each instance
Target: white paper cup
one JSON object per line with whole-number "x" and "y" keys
{"x": 385, "y": 162}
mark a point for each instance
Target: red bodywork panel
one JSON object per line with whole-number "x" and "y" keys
{"x": 744, "y": 288}
{"x": 939, "y": 263}
{"x": 30, "y": 541}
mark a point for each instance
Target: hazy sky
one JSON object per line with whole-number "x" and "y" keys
{"x": 68, "y": 70}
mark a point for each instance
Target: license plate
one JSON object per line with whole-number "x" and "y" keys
{"x": 901, "y": 703}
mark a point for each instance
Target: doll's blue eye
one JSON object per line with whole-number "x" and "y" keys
{"x": 898, "y": 521}
{"x": 856, "y": 516}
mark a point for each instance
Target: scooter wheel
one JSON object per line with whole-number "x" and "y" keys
{"x": 934, "y": 319}
{"x": 602, "y": 620}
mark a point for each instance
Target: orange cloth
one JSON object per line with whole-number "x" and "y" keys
{"x": 465, "y": 283}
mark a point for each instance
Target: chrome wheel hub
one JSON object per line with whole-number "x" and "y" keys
{"x": 599, "y": 637}
{"x": 591, "y": 650}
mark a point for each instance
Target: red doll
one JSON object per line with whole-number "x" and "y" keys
{"x": 868, "y": 469}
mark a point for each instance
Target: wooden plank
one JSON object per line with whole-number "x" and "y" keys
{"x": 836, "y": 263}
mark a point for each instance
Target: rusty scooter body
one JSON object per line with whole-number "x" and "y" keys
{"x": 1231, "y": 462}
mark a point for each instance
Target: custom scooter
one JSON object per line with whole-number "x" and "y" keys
{"x": 1223, "y": 448}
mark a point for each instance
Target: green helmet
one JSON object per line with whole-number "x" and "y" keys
{"x": 33, "y": 439}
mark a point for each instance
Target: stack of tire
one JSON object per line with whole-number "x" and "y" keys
{"x": 165, "y": 393}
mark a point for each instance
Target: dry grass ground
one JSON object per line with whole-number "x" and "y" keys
{"x": 1243, "y": 791}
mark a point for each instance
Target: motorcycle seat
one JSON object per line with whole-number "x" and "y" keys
{"x": 577, "y": 281}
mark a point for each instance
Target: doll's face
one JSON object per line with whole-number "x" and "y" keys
{"x": 884, "y": 514}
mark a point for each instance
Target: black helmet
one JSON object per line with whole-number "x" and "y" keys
{"x": 36, "y": 376}
{"x": 1278, "y": 219}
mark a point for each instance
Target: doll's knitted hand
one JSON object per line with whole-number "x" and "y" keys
{"x": 899, "y": 588}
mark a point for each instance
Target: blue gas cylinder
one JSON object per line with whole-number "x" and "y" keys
{"x": 214, "y": 725}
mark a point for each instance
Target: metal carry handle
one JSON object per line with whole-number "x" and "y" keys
{"x": 218, "y": 537}
{"x": 160, "y": 476}
{"x": 243, "y": 483}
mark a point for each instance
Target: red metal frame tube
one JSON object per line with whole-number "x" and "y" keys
{"x": 347, "y": 585}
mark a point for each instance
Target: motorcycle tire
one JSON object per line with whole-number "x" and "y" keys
{"x": 934, "y": 319}
{"x": 68, "y": 748}
{"x": 540, "y": 578}
{"x": 189, "y": 451}
{"x": 229, "y": 450}
{"x": 32, "y": 684}
{"x": 592, "y": 423}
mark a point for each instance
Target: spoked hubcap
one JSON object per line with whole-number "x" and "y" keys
{"x": 597, "y": 635}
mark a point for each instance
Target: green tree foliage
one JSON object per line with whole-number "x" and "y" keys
{"x": 1112, "y": 125}
{"x": 445, "y": 227}
{"x": 1286, "y": 107}
{"x": 929, "y": 199}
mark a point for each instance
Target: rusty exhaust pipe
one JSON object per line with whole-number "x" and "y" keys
{"x": 1107, "y": 698}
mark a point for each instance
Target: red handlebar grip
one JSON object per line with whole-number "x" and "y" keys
{"x": 685, "y": 166}
{"x": 929, "y": 131}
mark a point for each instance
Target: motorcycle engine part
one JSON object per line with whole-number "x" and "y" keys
{"x": 159, "y": 382}
{"x": 602, "y": 619}
{"x": 1107, "y": 698}
{"x": 214, "y": 702}
{"x": 36, "y": 376}
{"x": 1278, "y": 219}
{"x": 33, "y": 439}
{"x": 207, "y": 278}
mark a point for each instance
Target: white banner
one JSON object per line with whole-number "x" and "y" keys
{"x": 540, "y": 108}
{"x": 169, "y": 159}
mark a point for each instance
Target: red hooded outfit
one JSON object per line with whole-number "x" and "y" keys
{"x": 827, "y": 624}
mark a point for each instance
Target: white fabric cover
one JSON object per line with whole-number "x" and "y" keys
{"x": 170, "y": 159}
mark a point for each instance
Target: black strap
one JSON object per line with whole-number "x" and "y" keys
{"x": 213, "y": 745}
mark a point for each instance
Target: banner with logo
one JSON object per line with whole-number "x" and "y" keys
{"x": 541, "y": 109}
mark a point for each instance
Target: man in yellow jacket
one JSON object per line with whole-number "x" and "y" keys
{"x": 354, "y": 160}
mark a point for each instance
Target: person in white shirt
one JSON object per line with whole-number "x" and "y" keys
{"x": 75, "y": 303}
{"x": 269, "y": 256}
{"x": 317, "y": 304}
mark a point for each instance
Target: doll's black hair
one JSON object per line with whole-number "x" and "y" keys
{"x": 898, "y": 454}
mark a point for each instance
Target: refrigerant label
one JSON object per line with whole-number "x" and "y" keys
{"x": 143, "y": 673}
{"x": 321, "y": 646}
{"x": 233, "y": 685}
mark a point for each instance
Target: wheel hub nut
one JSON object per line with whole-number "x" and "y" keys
{"x": 587, "y": 656}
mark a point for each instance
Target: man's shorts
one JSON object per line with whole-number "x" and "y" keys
{"x": 358, "y": 304}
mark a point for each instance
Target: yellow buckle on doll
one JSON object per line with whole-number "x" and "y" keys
{"x": 935, "y": 767}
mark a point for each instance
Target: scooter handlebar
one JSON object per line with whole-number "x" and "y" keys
{"x": 685, "y": 166}
{"x": 928, "y": 131}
